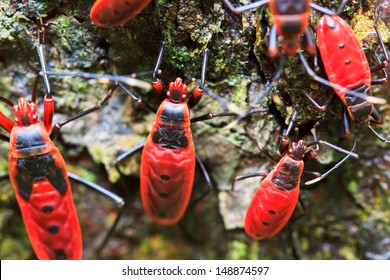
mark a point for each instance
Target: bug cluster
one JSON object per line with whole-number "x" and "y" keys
{"x": 169, "y": 160}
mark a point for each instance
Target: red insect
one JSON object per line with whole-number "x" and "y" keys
{"x": 110, "y": 13}
{"x": 168, "y": 156}
{"x": 290, "y": 21}
{"x": 39, "y": 176}
{"x": 277, "y": 195}
{"x": 346, "y": 65}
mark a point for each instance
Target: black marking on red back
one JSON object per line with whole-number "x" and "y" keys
{"x": 29, "y": 141}
{"x": 173, "y": 115}
{"x": 36, "y": 168}
{"x": 288, "y": 176}
{"x": 170, "y": 138}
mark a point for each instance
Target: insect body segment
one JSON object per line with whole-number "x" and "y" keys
{"x": 110, "y": 13}
{"x": 345, "y": 64}
{"x": 168, "y": 160}
{"x": 276, "y": 197}
{"x": 168, "y": 156}
{"x": 39, "y": 177}
{"x": 290, "y": 21}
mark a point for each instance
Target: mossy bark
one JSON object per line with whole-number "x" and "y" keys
{"x": 348, "y": 213}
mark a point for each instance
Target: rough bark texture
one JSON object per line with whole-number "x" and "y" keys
{"x": 348, "y": 213}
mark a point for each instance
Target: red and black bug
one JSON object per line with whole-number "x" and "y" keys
{"x": 346, "y": 65}
{"x": 290, "y": 21}
{"x": 276, "y": 197}
{"x": 168, "y": 155}
{"x": 39, "y": 176}
{"x": 110, "y": 13}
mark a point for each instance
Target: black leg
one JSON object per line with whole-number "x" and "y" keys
{"x": 246, "y": 176}
{"x": 302, "y": 214}
{"x": 273, "y": 42}
{"x": 321, "y": 9}
{"x": 4, "y": 177}
{"x": 322, "y": 107}
{"x": 294, "y": 240}
{"x": 230, "y": 106}
{"x": 259, "y": 147}
{"x": 380, "y": 137}
{"x": 377, "y": 118}
{"x": 241, "y": 9}
{"x": 106, "y": 193}
{"x": 206, "y": 175}
{"x": 327, "y": 83}
{"x": 276, "y": 77}
{"x": 139, "y": 101}
{"x": 197, "y": 93}
{"x": 346, "y": 123}
{"x": 381, "y": 64}
{"x": 204, "y": 172}
{"x": 310, "y": 45}
{"x": 4, "y": 138}
{"x": 126, "y": 155}
{"x": 58, "y": 126}
{"x": 212, "y": 116}
{"x": 351, "y": 153}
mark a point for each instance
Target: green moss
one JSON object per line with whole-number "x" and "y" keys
{"x": 238, "y": 250}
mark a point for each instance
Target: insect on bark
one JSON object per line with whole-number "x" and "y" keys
{"x": 39, "y": 176}
{"x": 277, "y": 195}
